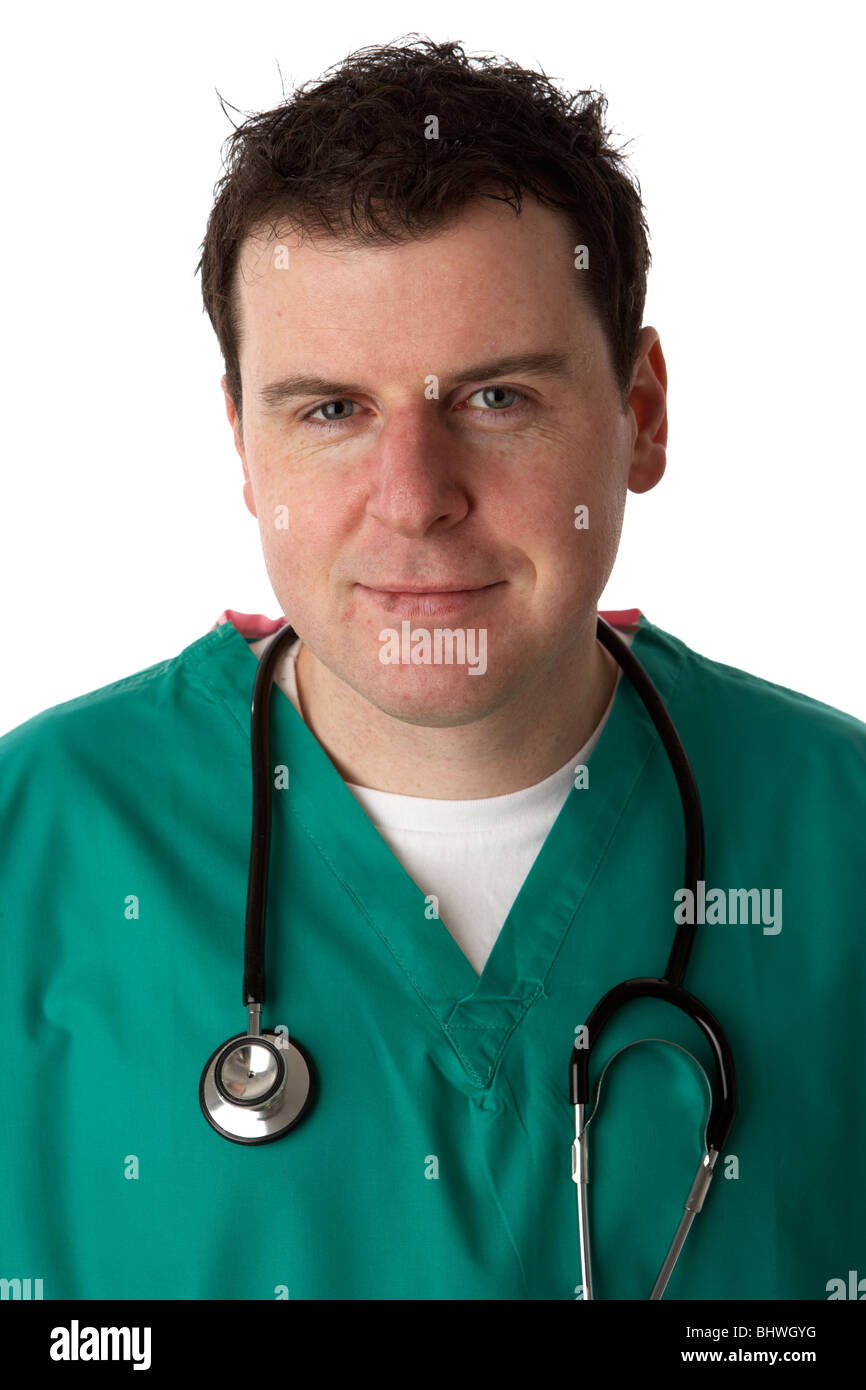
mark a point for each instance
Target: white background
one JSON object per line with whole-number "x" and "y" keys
{"x": 124, "y": 532}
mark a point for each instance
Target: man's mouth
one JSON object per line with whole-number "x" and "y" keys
{"x": 430, "y": 601}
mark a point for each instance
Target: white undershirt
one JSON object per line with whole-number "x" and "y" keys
{"x": 472, "y": 855}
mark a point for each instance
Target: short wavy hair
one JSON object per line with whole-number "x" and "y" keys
{"x": 348, "y": 158}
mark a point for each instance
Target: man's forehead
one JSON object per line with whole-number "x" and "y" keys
{"x": 532, "y": 254}
{"x": 482, "y": 225}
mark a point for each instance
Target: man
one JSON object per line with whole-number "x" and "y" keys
{"x": 440, "y": 407}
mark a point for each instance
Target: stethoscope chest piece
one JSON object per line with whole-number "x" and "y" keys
{"x": 256, "y": 1087}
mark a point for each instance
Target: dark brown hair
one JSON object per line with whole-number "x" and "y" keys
{"x": 348, "y": 158}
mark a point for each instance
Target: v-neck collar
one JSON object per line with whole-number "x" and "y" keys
{"x": 477, "y": 1013}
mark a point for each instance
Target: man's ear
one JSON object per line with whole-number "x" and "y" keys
{"x": 648, "y": 404}
{"x": 231, "y": 412}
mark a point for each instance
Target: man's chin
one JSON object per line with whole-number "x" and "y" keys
{"x": 444, "y": 698}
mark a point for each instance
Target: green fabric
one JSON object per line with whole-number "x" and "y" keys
{"x": 114, "y": 1185}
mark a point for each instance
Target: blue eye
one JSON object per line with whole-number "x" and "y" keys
{"x": 324, "y": 406}
{"x": 491, "y": 390}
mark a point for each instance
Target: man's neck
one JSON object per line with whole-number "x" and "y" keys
{"x": 520, "y": 744}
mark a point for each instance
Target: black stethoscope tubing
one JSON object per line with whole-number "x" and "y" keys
{"x": 667, "y": 987}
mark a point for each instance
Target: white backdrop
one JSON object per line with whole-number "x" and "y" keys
{"x": 124, "y": 532}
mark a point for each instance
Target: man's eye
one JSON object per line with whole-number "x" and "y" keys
{"x": 326, "y": 405}
{"x": 488, "y": 391}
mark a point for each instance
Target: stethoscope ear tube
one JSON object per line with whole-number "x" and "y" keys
{"x": 724, "y": 1106}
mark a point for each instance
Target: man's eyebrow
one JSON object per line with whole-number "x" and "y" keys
{"x": 556, "y": 364}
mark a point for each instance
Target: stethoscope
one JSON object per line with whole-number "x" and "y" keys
{"x": 258, "y": 1086}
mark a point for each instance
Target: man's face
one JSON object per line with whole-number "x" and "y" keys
{"x": 405, "y": 474}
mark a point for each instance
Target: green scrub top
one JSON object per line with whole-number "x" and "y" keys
{"x": 436, "y": 1163}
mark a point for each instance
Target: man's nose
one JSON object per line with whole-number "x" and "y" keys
{"x": 418, "y": 474}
